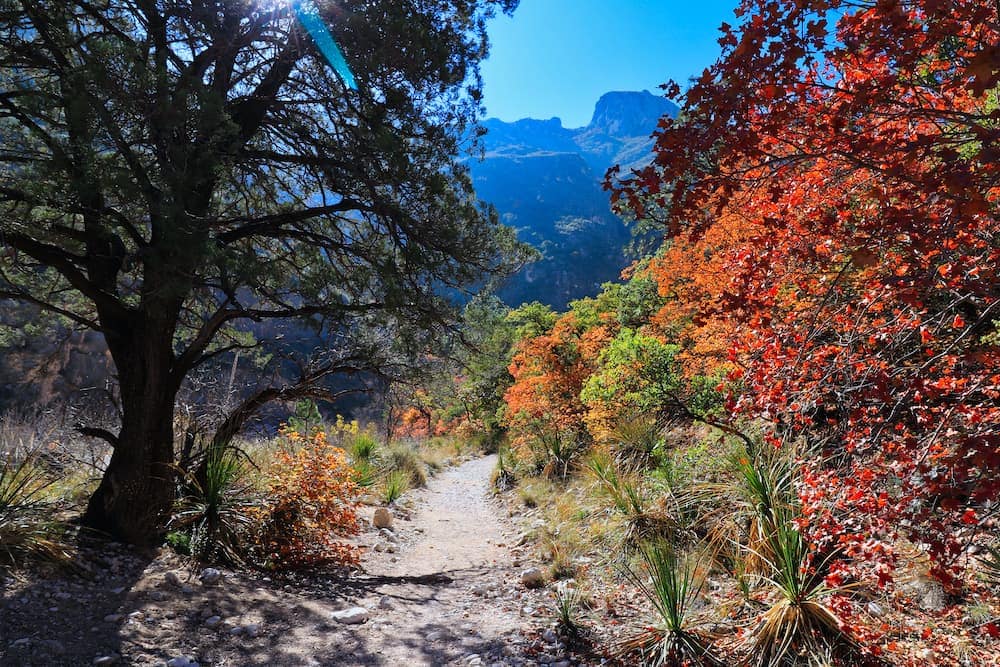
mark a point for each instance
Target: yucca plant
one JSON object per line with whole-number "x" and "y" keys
{"x": 395, "y": 484}
{"x": 766, "y": 483}
{"x": 798, "y": 624}
{"x": 567, "y": 606}
{"x": 643, "y": 520}
{"x": 635, "y": 440}
{"x": 738, "y": 517}
{"x": 364, "y": 473}
{"x": 555, "y": 448}
{"x": 671, "y": 584}
{"x": 364, "y": 447}
{"x": 216, "y": 506}
{"x": 27, "y": 530}
{"x": 504, "y": 476}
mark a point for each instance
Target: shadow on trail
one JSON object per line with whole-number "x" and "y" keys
{"x": 59, "y": 617}
{"x": 384, "y": 639}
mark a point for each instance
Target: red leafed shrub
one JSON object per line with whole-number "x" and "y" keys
{"x": 311, "y": 506}
{"x": 854, "y": 145}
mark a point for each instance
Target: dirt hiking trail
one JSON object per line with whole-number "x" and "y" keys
{"x": 442, "y": 587}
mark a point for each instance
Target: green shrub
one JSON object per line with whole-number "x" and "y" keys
{"x": 179, "y": 541}
{"x": 307, "y": 418}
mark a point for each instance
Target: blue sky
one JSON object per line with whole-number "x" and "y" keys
{"x": 556, "y": 57}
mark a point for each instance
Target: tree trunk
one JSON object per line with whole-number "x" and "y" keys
{"x": 134, "y": 498}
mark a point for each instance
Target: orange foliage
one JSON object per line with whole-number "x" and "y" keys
{"x": 413, "y": 423}
{"x": 549, "y": 371}
{"x": 311, "y": 502}
{"x": 693, "y": 275}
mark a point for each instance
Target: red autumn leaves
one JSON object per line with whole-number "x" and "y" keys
{"x": 832, "y": 191}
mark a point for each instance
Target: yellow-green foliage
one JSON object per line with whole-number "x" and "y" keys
{"x": 394, "y": 485}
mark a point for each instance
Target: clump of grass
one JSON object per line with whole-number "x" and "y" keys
{"x": 434, "y": 458}
{"x": 643, "y": 519}
{"x": 395, "y": 484}
{"x": 404, "y": 458}
{"x": 568, "y": 603}
{"x": 560, "y": 549}
{"x": 216, "y": 508}
{"x": 535, "y": 492}
{"x": 179, "y": 541}
{"x": 670, "y": 584}
{"x": 798, "y": 624}
{"x": 27, "y": 530}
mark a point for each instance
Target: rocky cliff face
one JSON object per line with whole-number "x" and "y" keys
{"x": 545, "y": 181}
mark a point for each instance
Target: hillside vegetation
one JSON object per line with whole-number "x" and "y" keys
{"x": 800, "y": 389}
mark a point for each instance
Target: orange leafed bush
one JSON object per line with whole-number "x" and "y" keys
{"x": 311, "y": 506}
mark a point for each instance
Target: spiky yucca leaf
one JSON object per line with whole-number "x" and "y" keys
{"x": 216, "y": 507}
{"x": 395, "y": 484}
{"x": 739, "y": 517}
{"x": 636, "y": 439}
{"x": 798, "y": 624}
{"x": 504, "y": 475}
{"x": 567, "y": 604}
{"x": 643, "y": 518}
{"x": 27, "y": 530}
{"x": 364, "y": 447}
{"x": 671, "y": 584}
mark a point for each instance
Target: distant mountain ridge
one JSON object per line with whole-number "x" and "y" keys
{"x": 619, "y": 132}
{"x": 545, "y": 181}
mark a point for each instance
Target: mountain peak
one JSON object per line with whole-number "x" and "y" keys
{"x": 630, "y": 113}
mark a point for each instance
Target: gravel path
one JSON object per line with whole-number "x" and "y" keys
{"x": 446, "y": 593}
{"x": 453, "y": 555}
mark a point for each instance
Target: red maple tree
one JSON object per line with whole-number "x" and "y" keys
{"x": 858, "y": 142}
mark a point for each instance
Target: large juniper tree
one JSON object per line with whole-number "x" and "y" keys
{"x": 170, "y": 169}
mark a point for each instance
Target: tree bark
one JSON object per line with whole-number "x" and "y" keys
{"x": 134, "y": 498}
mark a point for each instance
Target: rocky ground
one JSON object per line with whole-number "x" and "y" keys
{"x": 442, "y": 584}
